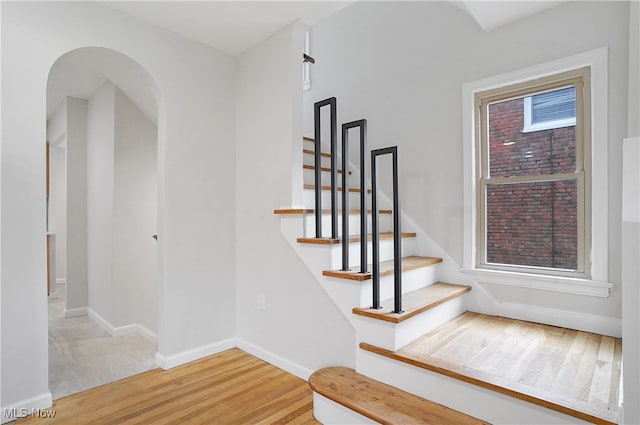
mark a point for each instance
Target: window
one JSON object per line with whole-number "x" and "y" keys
{"x": 590, "y": 276}
{"x": 306, "y": 68}
{"x": 533, "y": 176}
{"x": 554, "y": 109}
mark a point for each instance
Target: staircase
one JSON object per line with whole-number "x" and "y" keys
{"x": 414, "y": 311}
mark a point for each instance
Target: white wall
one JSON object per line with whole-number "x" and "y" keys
{"x": 135, "y": 212}
{"x": 634, "y": 70}
{"x": 58, "y": 207}
{"x": 100, "y": 196}
{"x": 76, "y": 270}
{"x": 407, "y": 81}
{"x": 300, "y": 323}
{"x": 56, "y": 136}
{"x": 195, "y": 88}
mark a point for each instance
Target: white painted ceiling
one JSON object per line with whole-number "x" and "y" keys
{"x": 230, "y": 26}
{"x": 494, "y": 14}
{"x": 233, "y": 27}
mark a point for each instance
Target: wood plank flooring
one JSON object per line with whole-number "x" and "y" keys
{"x": 573, "y": 372}
{"x": 231, "y": 387}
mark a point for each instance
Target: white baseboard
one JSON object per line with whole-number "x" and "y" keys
{"x": 75, "y": 312}
{"x": 147, "y": 334}
{"x": 27, "y": 407}
{"x": 269, "y": 357}
{"x": 61, "y": 281}
{"x": 168, "y": 362}
{"x": 567, "y": 319}
{"x": 122, "y": 330}
{"x": 101, "y": 321}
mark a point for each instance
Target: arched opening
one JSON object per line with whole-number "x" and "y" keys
{"x": 102, "y": 131}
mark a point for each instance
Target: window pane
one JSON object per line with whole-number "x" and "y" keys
{"x": 533, "y": 224}
{"x": 514, "y": 153}
{"x": 554, "y": 105}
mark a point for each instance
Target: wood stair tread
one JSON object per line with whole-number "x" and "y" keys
{"x": 323, "y": 187}
{"x": 381, "y": 402}
{"x": 312, "y": 152}
{"x": 324, "y": 169}
{"x": 386, "y": 268}
{"x": 471, "y": 348}
{"x": 354, "y": 238}
{"x": 294, "y": 211}
{"x": 308, "y": 139}
{"x": 415, "y": 302}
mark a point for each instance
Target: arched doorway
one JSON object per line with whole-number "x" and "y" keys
{"x": 102, "y": 117}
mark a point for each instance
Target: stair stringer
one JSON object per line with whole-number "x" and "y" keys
{"x": 345, "y": 294}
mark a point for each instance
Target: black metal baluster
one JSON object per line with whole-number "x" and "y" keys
{"x": 397, "y": 247}
{"x": 362, "y": 125}
{"x": 331, "y": 102}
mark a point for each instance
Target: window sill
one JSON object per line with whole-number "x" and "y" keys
{"x": 567, "y": 285}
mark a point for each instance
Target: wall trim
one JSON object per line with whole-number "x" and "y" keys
{"x": 168, "y": 362}
{"x": 122, "y": 330}
{"x": 61, "y": 281}
{"x": 75, "y": 312}
{"x": 274, "y": 359}
{"x": 567, "y": 285}
{"x": 597, "y": 60}
{"x": 101, "y": 321}
{"x": 147, "y": 334}
{"x": 568, "y": 319}
{"x": 26, "y": 407}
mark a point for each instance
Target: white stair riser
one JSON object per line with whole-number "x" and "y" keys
{"x": 308, "y": 177}
{"x": 308, "y": 159}
{"x": 394, "y": 336}
{"x": 483, "y": 404}
{"x": 386, "y": 224}
{"x": 411, "y": 281}
{"x": 386, "y": 252}
{"x": 308, "y": 198}
{"x": 329, "y": 412}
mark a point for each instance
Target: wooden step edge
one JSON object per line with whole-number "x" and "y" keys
{"x": 582, "y": 411}
{"x": 351, "y": 189}
{"x": 324, "y": 169}
{"x": 294, "y": 211}
{"x": 312, "y": 152}
{"x": 381, "y": 402}
{"x": 408, "y": 263}
{"x": 330, "y": 241}
{"x": 414, "y": 303}
{"x": 308, "y": 139}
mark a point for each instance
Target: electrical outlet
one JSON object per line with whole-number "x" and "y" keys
{"x": 262, "y": 301}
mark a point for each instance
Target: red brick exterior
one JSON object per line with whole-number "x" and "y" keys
{"x": 531, "y": 224}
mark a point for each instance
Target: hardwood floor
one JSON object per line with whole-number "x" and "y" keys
{"x": 231, "y": 387}
{"x": 573, "y": 372}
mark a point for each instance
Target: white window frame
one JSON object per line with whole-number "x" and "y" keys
{"x": 597, "y": 283}
{"x": 544, "y": 125}
{"x": 306, "y": 66}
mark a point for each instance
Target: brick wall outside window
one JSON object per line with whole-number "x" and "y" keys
{"x": 535, "y": 223}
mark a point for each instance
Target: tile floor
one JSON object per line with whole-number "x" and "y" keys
{"x": 82, "y": 355}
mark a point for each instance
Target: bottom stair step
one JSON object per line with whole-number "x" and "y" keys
{"x": 571, "y": 372}
{"x": 381, "y": 402}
